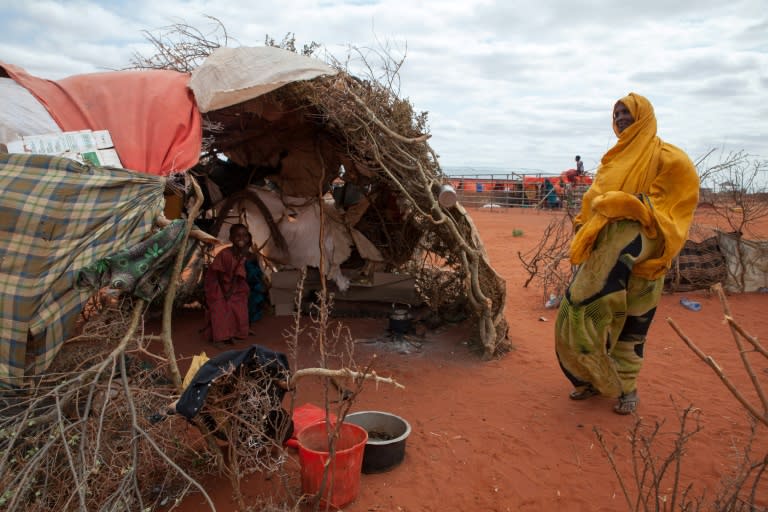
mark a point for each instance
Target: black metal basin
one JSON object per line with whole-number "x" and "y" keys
{"x": 387, "y": 434}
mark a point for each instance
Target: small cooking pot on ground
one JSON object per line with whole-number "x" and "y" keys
{"x": 400, "y": 320}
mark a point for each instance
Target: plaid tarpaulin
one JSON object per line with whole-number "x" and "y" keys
{"x": 56, "y": 218}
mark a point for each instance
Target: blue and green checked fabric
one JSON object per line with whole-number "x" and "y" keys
{"x": 56, "y": 218}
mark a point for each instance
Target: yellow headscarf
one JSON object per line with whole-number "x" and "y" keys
{"x": 640, "y": 164}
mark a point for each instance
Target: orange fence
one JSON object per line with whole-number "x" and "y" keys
{"x": 519, "y": 190}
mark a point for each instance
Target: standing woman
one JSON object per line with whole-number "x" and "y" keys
{"x": 634, "y": 220}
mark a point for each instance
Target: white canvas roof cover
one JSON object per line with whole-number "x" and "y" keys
{"x": 233, "y": 75}
{"x": 22, "y": 114}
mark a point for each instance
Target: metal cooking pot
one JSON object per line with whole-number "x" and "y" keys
{"x": 400, "y": 319}
{"x": 387, "y": 436}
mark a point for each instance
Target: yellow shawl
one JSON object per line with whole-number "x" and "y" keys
{"x": 641, "y": 178}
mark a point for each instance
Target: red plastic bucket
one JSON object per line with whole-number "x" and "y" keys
{"x": 303, "y": 416}
{"x": 343, "y": 480}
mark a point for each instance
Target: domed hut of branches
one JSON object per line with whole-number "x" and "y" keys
{"x": 275, "y": 145}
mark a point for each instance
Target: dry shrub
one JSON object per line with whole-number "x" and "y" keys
{"x": 548, "y": 263}
{"x": 659, "y": 478}
{"x": 98, "y": 431}
{"x": 103, "y": 443}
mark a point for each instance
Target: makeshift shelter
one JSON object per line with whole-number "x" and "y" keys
{"x": 699, "y": 266}
{"x": 746, "y": 262}
{"x": 260, "y": 124}
{"x": 740, "y": 265}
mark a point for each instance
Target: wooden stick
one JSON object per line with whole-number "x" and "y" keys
{"x": 718, "y": 289}
{"x": 719, "y": 371}
{"x": 373, "y": 117}
{"x": 196, "y": 233}
{"x": 170, "y": 294}
{"x": 341, "y": 373}
{"x": 754, "y": 341}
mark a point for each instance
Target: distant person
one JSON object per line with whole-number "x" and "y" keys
{"x": 634, "y": 219}
{"x": 227, "y": 290}
{"x": 552, "y": 200}
{"x": 571, "y": 174}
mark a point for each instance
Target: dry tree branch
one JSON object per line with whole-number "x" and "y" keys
{"x": 736, "y": 330}
{"x": 84, "y": 424}
{"x": 733, "y": 498}
{"x": 375, "y": 119}
{"x": 718, "y": 289}
{"x": 148, "y": 438}
{"x": 389, "y": 77}
{"x": 651, "y": 465}
{"x": 342, "y": 373}
{"x": 753, "y": 340}
{"x": 730, "y": 161}
{"x": 171, "y": 292}
{"x": 196, "y": 233}
{"x": 718, "y": 371}
{"x": 180, "y": 46}
{"x": 548, "y": 262}
{"x": 737, "y": 194}
{"x": 470, "y": 257}
{"x": 609, "y": 453}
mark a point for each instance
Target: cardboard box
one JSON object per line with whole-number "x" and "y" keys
{"x": 108, "y": 157}
{"x": 284, "y": 309}
{"x": 102, "y": 139}
{"x": 282, "y": 295}
{"x": 289, "y": 278}
{"x": 85, "y": 146}
{"x": 285, "y": 279}
{"x": 15, "y": 146}
{"x": 386, "y": 287}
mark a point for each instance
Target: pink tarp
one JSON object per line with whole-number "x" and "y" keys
{"x": 151, "y": 115}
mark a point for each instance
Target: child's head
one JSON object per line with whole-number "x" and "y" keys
{"x": 239, "y": 236}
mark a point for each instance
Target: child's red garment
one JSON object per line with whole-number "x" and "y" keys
{"x": 228, "y": 318}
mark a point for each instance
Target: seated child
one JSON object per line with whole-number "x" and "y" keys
{"x": 226, "y": 289}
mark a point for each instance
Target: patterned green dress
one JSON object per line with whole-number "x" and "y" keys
{"x": 604, "y": 317}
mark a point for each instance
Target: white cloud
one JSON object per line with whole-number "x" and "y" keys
{"x": 508, "y": 84}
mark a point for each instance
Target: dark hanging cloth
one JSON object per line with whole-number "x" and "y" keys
{"x": 257, "y": 295}
{"x": 252, "y": 359}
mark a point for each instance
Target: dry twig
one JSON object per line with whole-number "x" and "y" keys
{"x": 736, "y": 331}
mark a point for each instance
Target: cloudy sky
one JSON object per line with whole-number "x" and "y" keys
{"x": 508, "y": 85}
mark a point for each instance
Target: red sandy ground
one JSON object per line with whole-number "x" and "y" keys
{"x": 502, "y": 435}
